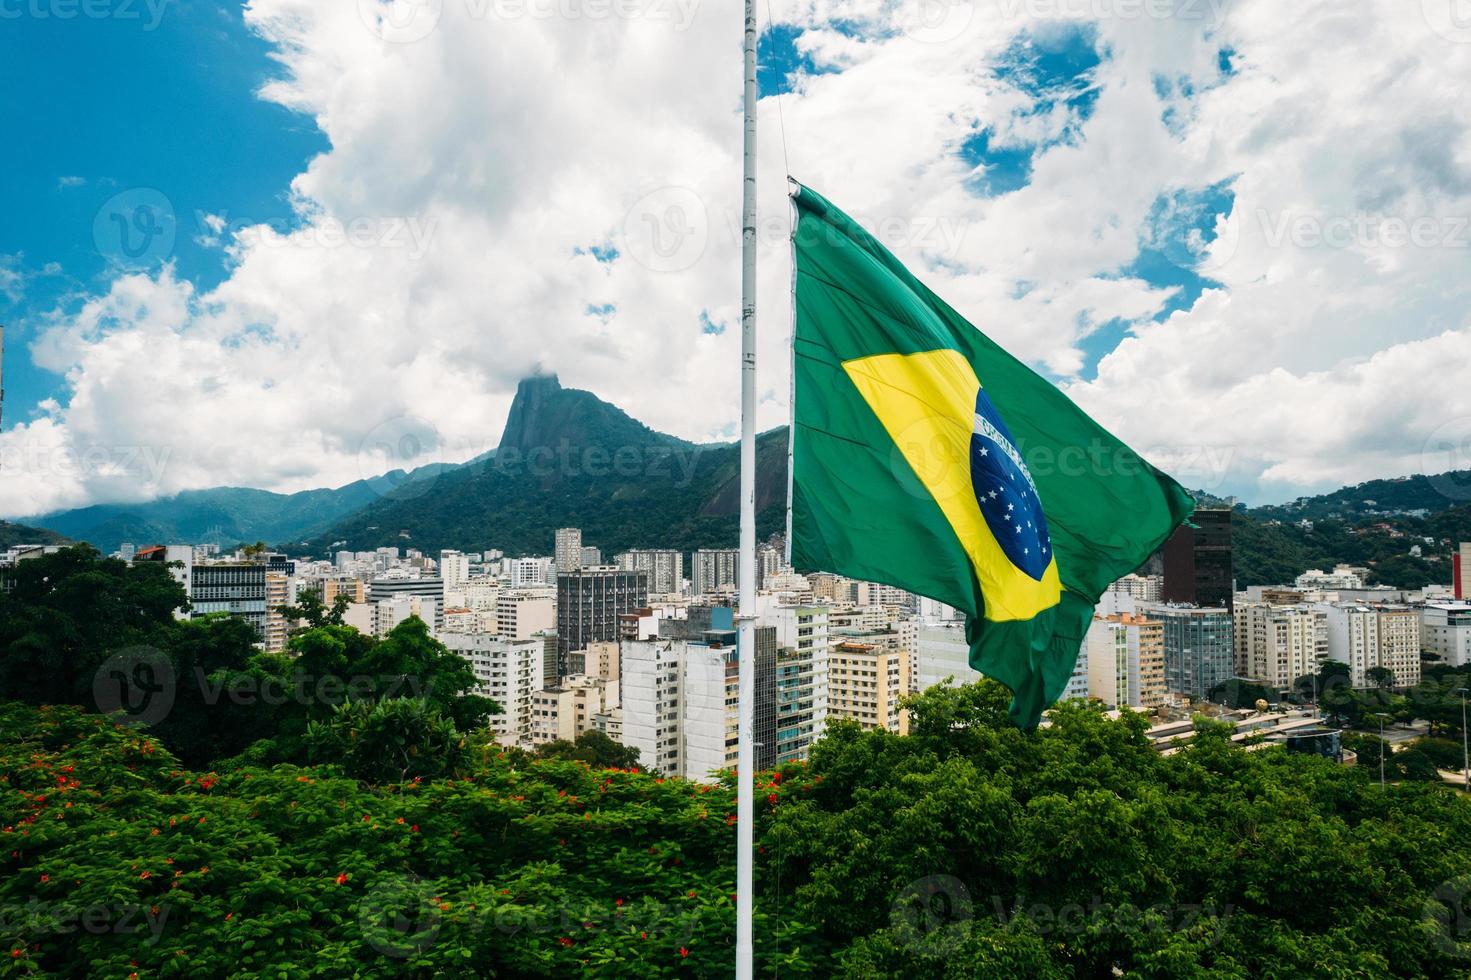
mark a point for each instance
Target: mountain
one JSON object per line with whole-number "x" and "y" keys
{"x": 14, "y": 534}
{"x": 226, "y": 515}
{"x": 568, "y": 458}
{"x": 544, "y": 413}
{"x": 1431, "y": 493}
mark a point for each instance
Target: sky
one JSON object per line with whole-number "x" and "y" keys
{"x": 291, "y": 244}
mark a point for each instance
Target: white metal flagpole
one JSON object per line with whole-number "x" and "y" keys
{"x": 746, "y": 646}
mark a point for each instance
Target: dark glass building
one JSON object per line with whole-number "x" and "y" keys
{"x": 1197, "y": 562}
{"x": 589, "y": 602}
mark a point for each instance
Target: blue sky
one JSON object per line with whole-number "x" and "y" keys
{"x": 167, "y": 113}
{"x": 114, "y": 107}
{"x": 1061, "y": 179}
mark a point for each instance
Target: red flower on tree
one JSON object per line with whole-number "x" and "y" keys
{"x": 342, "y": 878}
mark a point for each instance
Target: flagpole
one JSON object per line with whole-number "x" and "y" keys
{"x": 746, "y": 647}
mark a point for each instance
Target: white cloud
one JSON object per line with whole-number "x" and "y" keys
{"x": 438, "y": 255}
{"x": 12, "y": 277}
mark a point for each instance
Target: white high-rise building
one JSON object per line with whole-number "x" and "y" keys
{"x": 1142, "y": 588}
{"x": 713, "y": 571}
{"x": 1279, "y": 644}
{"x": 935, "y": 611}
{"x": 1365, "y": 636}
{"x": 570, "y": 709}
{"x": 522, "y": 613}
{"x": 664, "y": 567}
{"x": 508, "y": 671}
{"x": 388, "y": 613}
{"x": 802, "y": 658}
{"x": 1445, "y": 631}
{"x": 943, "y": 655}
{"x": 1125, "y": 661}
{"x": 878, "y": 594}
{"x": 481, "y": 594}
{"x": 1077, "y": 685}
{"x": 1342, "y": 577}
{"x": 569, "y": 549}
{"x": 679, "y": 703}
{"x": 454, "y": 568}
{"x": 653, "y": 682}
{"x": 708, "y": 716}
{"x": 528, "y": 573}
{"x": 1107, "y": 644}
{"x": 281, "y": 590}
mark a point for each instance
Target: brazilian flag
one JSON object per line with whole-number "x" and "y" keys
{"x": 926, "y": 457}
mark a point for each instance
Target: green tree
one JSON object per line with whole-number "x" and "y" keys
{"x": 66, "y": 613}
{"x": 1237, "y": 693}
{"x": 1381, "y": 677}
{"x": 592, "y": 747}
{"x": 410, "y": 662}
{"x": 310, "y": 612}
{"x": 390, "y": 741}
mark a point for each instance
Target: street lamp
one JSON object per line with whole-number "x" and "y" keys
{"x": 1465, "y": 750}
{"x": 1383, "y": 746}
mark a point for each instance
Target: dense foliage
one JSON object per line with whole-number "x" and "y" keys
{"x": 964, "y": 849}
{"x": 342, "y": 811}
{"x": 1267, "y": 553}
{"x": 79, "y": 629}
{"x": 1375, "y": 498}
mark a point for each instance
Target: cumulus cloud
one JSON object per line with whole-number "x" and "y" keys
{"x": 528, "y": 187}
